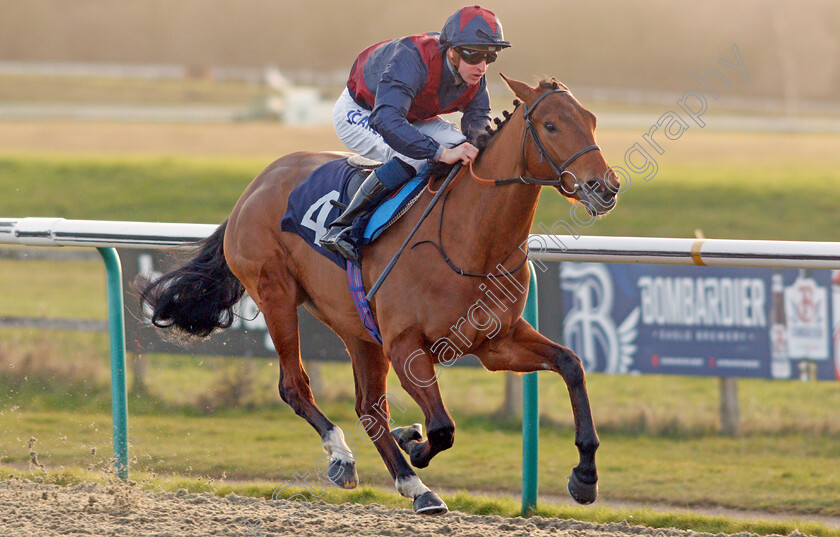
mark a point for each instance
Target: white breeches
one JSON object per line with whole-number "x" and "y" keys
{"x": 352, "y": 126}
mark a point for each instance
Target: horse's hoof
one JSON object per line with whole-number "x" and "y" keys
{"x": 404, "y": 435}
{"x": 582, "y": 493}
{"x": 429, "y": 503}
{"x": 343, "y": 474}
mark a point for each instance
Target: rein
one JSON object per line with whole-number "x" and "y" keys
{"x": 455, "y": 268}
{"x": 559, "y": 169}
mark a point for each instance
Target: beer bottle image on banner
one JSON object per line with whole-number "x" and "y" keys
{"x": 806, "y": 313}
{"x": 779, "y": 362}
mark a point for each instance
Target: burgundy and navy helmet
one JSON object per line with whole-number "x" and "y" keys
{"x": 473, "y": 26}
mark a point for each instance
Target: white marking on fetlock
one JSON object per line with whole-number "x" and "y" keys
{"x": 411, "y": 487}
{"x": 336, "y": 447}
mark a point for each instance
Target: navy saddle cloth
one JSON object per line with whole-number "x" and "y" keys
{"x": 311, "y": 205}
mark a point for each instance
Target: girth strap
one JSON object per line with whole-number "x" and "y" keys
{"x": 357, "y": 291}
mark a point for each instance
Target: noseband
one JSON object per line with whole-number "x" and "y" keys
{"x": 559, "y": 169}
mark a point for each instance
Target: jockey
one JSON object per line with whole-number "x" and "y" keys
{"x": 389, "y": 110}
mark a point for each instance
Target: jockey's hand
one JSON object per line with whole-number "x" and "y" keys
{"x": 466, "y": 153}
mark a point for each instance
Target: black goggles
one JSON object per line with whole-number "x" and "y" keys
{"x": 474, "y": 57}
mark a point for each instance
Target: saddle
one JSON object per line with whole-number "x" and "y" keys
{"x": 321, "y": 197}
{"x": 364, "y": 166}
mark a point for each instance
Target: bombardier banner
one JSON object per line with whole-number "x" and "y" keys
{"x": 624, "y": 319}
{"x": 703, "y": 321}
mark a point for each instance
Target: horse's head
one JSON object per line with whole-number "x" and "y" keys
{"x": 559, "y": 145}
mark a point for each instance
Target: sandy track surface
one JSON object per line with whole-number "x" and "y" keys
{"x": 32, "y": 509}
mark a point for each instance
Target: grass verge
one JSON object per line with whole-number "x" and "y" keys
{"x": 461, "y": 501}
{"x": 725, "y": 199}
{"x": 777, "y": 474}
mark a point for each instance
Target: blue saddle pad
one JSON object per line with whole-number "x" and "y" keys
{"x": 390, "y": 210}
{"x": 310, "y": 209}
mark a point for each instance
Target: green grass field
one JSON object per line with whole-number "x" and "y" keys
{"x": 659, "y": 434}
{"x": 776, "y": 473}
{"x": 724, "y": 200}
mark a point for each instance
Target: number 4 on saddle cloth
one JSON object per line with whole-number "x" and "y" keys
{"x": 319, "y": 199}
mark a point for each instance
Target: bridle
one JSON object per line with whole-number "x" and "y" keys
{"x": 559, "y": 169}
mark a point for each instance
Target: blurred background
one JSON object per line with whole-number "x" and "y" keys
{"x": 611, "y": 50}
{"x": 155, "y": 110}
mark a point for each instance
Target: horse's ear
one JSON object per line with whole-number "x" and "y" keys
{"x": 521, "y": 89}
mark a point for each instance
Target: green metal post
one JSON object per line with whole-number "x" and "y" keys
{"x": 530, "y": 411}
{"x": 119, "y": 393}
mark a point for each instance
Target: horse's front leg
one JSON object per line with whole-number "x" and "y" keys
{"x": 370, "y": 371}
{"x": 415, "y": 368}
{"x": 526, "y": 350}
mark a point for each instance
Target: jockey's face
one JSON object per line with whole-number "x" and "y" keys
{"x": 470, "y": 73}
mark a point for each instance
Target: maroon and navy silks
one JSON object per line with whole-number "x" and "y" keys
{"x": 408, "y": 80}
{"x": 363, "y": 82}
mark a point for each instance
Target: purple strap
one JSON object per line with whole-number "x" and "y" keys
{"x": 357, "y": 291}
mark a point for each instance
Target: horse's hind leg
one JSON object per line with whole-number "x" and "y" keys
{"x": 275, "y": 296}
{"x": 370, "y": 371}
{"x": 416, "y": 372}
{"x": 526, "y": 350}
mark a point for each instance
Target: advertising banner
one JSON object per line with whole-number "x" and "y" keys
{"x": 722, "y": 322}
{"x": 619, "y": 318}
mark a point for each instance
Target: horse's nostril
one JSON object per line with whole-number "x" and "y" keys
{"x": 593, "y": 187}
{"x": 598, "y": 195}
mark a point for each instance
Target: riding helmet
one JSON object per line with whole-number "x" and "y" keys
{"x": 473, "y": 26}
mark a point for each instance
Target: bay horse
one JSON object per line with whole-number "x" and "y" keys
{"x": 435, "y": 306}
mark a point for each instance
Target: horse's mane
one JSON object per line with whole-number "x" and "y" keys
{"x": 440, "y": 169}
{"x": 485, "y": 137}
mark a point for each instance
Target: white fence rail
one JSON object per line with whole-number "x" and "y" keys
{"x": 646, "y": 250}
{"x": 99, "y": 233}
{"x": 703, "y": 252}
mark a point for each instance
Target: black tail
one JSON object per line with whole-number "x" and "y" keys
{"x": 198, "y": 297}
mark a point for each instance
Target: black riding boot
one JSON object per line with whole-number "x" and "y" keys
{"x": 337, "y": 237}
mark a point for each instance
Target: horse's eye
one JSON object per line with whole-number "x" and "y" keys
{"x": 550, "y": 127}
